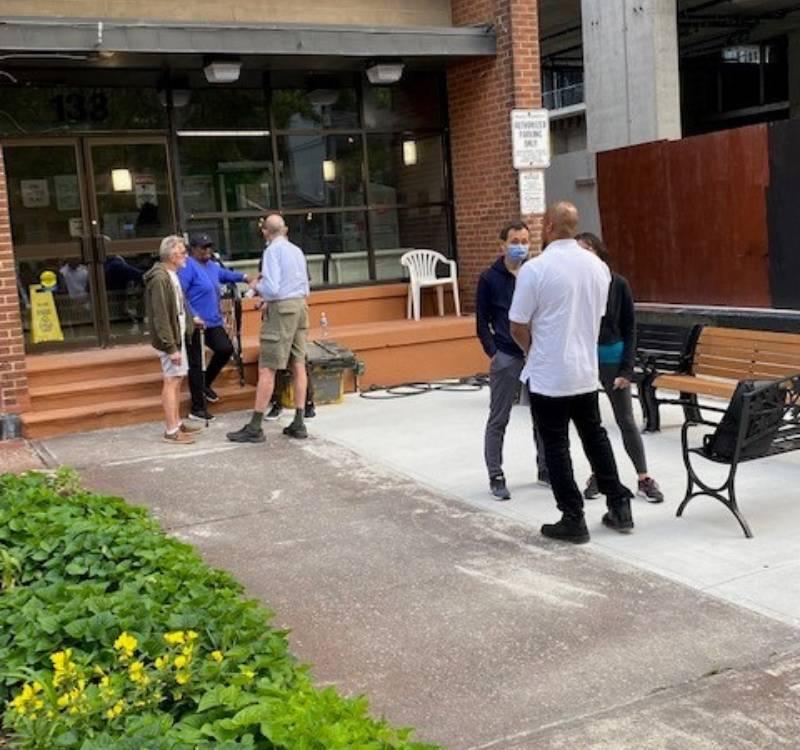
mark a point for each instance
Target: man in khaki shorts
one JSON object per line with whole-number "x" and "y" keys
{"x": 170, "y": 324}
{"x": 284, "y": 287}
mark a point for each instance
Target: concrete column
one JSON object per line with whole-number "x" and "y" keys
{"x": 794, "y": 74}
{"x": 632, "y": 83}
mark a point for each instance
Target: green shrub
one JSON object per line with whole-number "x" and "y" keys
{"x": 113, "y": 635}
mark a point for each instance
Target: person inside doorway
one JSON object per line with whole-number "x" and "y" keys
{"x": 201, "y": 279}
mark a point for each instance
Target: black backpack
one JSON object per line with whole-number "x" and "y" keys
{"x": 768, "y": 405}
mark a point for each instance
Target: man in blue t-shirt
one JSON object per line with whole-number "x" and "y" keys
{"x": 201, "y": 278}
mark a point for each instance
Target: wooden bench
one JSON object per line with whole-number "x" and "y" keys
{"x": 716, "y": 360}
{"x": 762, "y": 420}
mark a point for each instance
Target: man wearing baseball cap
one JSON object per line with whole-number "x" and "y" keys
{"x": 201, "y": 278}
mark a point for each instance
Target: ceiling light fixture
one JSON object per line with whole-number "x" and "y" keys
{"x": 121, "y": 180}
{"x": 384, "y": 73}
{"x": 222, "y": 71}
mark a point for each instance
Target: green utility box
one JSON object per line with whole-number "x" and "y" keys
{"x": 326, "y": 363}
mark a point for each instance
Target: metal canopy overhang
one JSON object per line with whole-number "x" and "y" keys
{"x": 69, "y": 35}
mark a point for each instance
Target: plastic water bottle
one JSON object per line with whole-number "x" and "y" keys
{"x": 323, "y": 324}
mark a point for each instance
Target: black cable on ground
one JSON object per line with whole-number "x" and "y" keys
{"x": 404, "y": 390}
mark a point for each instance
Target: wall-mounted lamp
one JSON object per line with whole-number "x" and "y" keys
{"x": 328, "y": 170}
{"x": 222, "y": 71}
{"x": 383, "y": 73}
{"x": 409, "y": 152}
{"x": 121, "y": 180}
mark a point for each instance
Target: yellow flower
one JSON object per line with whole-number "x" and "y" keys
{"x": 182, "y": 678}
{"x": 28, "y": 700}
{"x": 116, "y": 709}
{"x": 180, "y": 662}
{"x": 188, "y": 650}
{"x": 61, "y": 659}
{"x": 63, "y": 700}
{"x": 162, "y": 662}
{"x": 191, "y": 635}
{"x": 217, "y": 656}
{"x": 126, "y": 644}
{"x": 175, "y": 638}
{"x": 137, "y": 674}
{"x": 248, "y": 673}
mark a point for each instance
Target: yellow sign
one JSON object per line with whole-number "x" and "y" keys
{"x": 48, "y": 280}
{"x": 45, "y": 325}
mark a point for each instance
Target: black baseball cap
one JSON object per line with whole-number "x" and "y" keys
{"x": 200, "y": 239}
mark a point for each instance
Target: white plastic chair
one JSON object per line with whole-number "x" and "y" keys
{"x": 421, "y": 265}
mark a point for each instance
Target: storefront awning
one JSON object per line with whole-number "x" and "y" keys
{"x": 67, "y": 35}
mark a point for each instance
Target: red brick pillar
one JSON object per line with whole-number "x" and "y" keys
{"x": 481, "y": 95}
{"x": 13, "y": 375}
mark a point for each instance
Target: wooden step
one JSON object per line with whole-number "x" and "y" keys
{"x": 52, "y": 422}
{"x": 94, "y": 364}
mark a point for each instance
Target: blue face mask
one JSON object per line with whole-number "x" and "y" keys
{"x": 517, "y": 253}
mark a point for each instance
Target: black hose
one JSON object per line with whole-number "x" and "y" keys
{"x": 404, "y": 390}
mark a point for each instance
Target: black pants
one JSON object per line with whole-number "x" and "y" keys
{"x": 553, "y": 416}
{"x": 219, "y": 343}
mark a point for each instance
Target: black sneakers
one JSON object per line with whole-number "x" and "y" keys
{"x": 497, "y": 486}
{"x": 650, "y": 491}
{"x": 619, "y": 517}
{"x": 201, "y": 416}
{"x": 295, "y": 430}
{"x": 592, "y": 488}
{"x": 310, "y": 411}
{"x": 273, "y": 413}
{"x": 568, "y": 529}
{"x": 211, "y": 395}
{"x": 246, "y": 435}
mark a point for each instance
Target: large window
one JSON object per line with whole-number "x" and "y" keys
{"x": 358, "y": 171}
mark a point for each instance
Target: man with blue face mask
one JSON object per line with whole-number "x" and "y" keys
{"x": 495, "y": 292}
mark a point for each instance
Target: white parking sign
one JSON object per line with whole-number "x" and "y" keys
{"x": 530, "y": 138}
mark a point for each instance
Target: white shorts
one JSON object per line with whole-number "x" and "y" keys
{"x": 170, "y": 369}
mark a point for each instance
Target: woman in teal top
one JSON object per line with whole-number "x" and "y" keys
{"x": 616, "y": 354}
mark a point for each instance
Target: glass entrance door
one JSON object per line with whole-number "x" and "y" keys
{"x": 55, "y": 274}
{"x": 87, "y": 216}
{"x": 132, "y": 209}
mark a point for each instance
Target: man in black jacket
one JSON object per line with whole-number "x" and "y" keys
{"x": 495, "y": 291}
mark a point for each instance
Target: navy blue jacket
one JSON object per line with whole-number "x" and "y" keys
{"x": 495, "y": 292}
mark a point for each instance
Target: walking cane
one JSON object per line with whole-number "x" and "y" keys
{"x": 203, "y": 369}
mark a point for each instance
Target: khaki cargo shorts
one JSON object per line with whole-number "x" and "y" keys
{"x": 283, "y": 333}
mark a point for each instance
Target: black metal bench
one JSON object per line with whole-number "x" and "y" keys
{"x": 660, "y": 348}
{"x": 762, "y": 420}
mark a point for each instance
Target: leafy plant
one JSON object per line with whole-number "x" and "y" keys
{"x": 115, "y": 635}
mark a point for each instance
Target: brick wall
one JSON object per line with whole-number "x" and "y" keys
{"x": 481, "y": 95}
{"x": 13, "y": 377}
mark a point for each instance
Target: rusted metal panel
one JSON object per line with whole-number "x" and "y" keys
{"x": 686, "y": 220}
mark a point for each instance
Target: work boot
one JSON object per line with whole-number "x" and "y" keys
{"x": 296, "y": 430}
{"x": 568, "y": 529}
{"x": 310, "y": 411}
{"x": 247, "y": 435}
{"x": 592, "y": 488}
{"x": 497, "y": 486}
{"x": 619, "y": 516}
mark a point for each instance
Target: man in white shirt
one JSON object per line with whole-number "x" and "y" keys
{"x": 284, "y": 287}
{"x": 559, "y": 300}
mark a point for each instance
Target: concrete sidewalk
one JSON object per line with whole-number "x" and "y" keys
{"x": 453, "y": 618}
